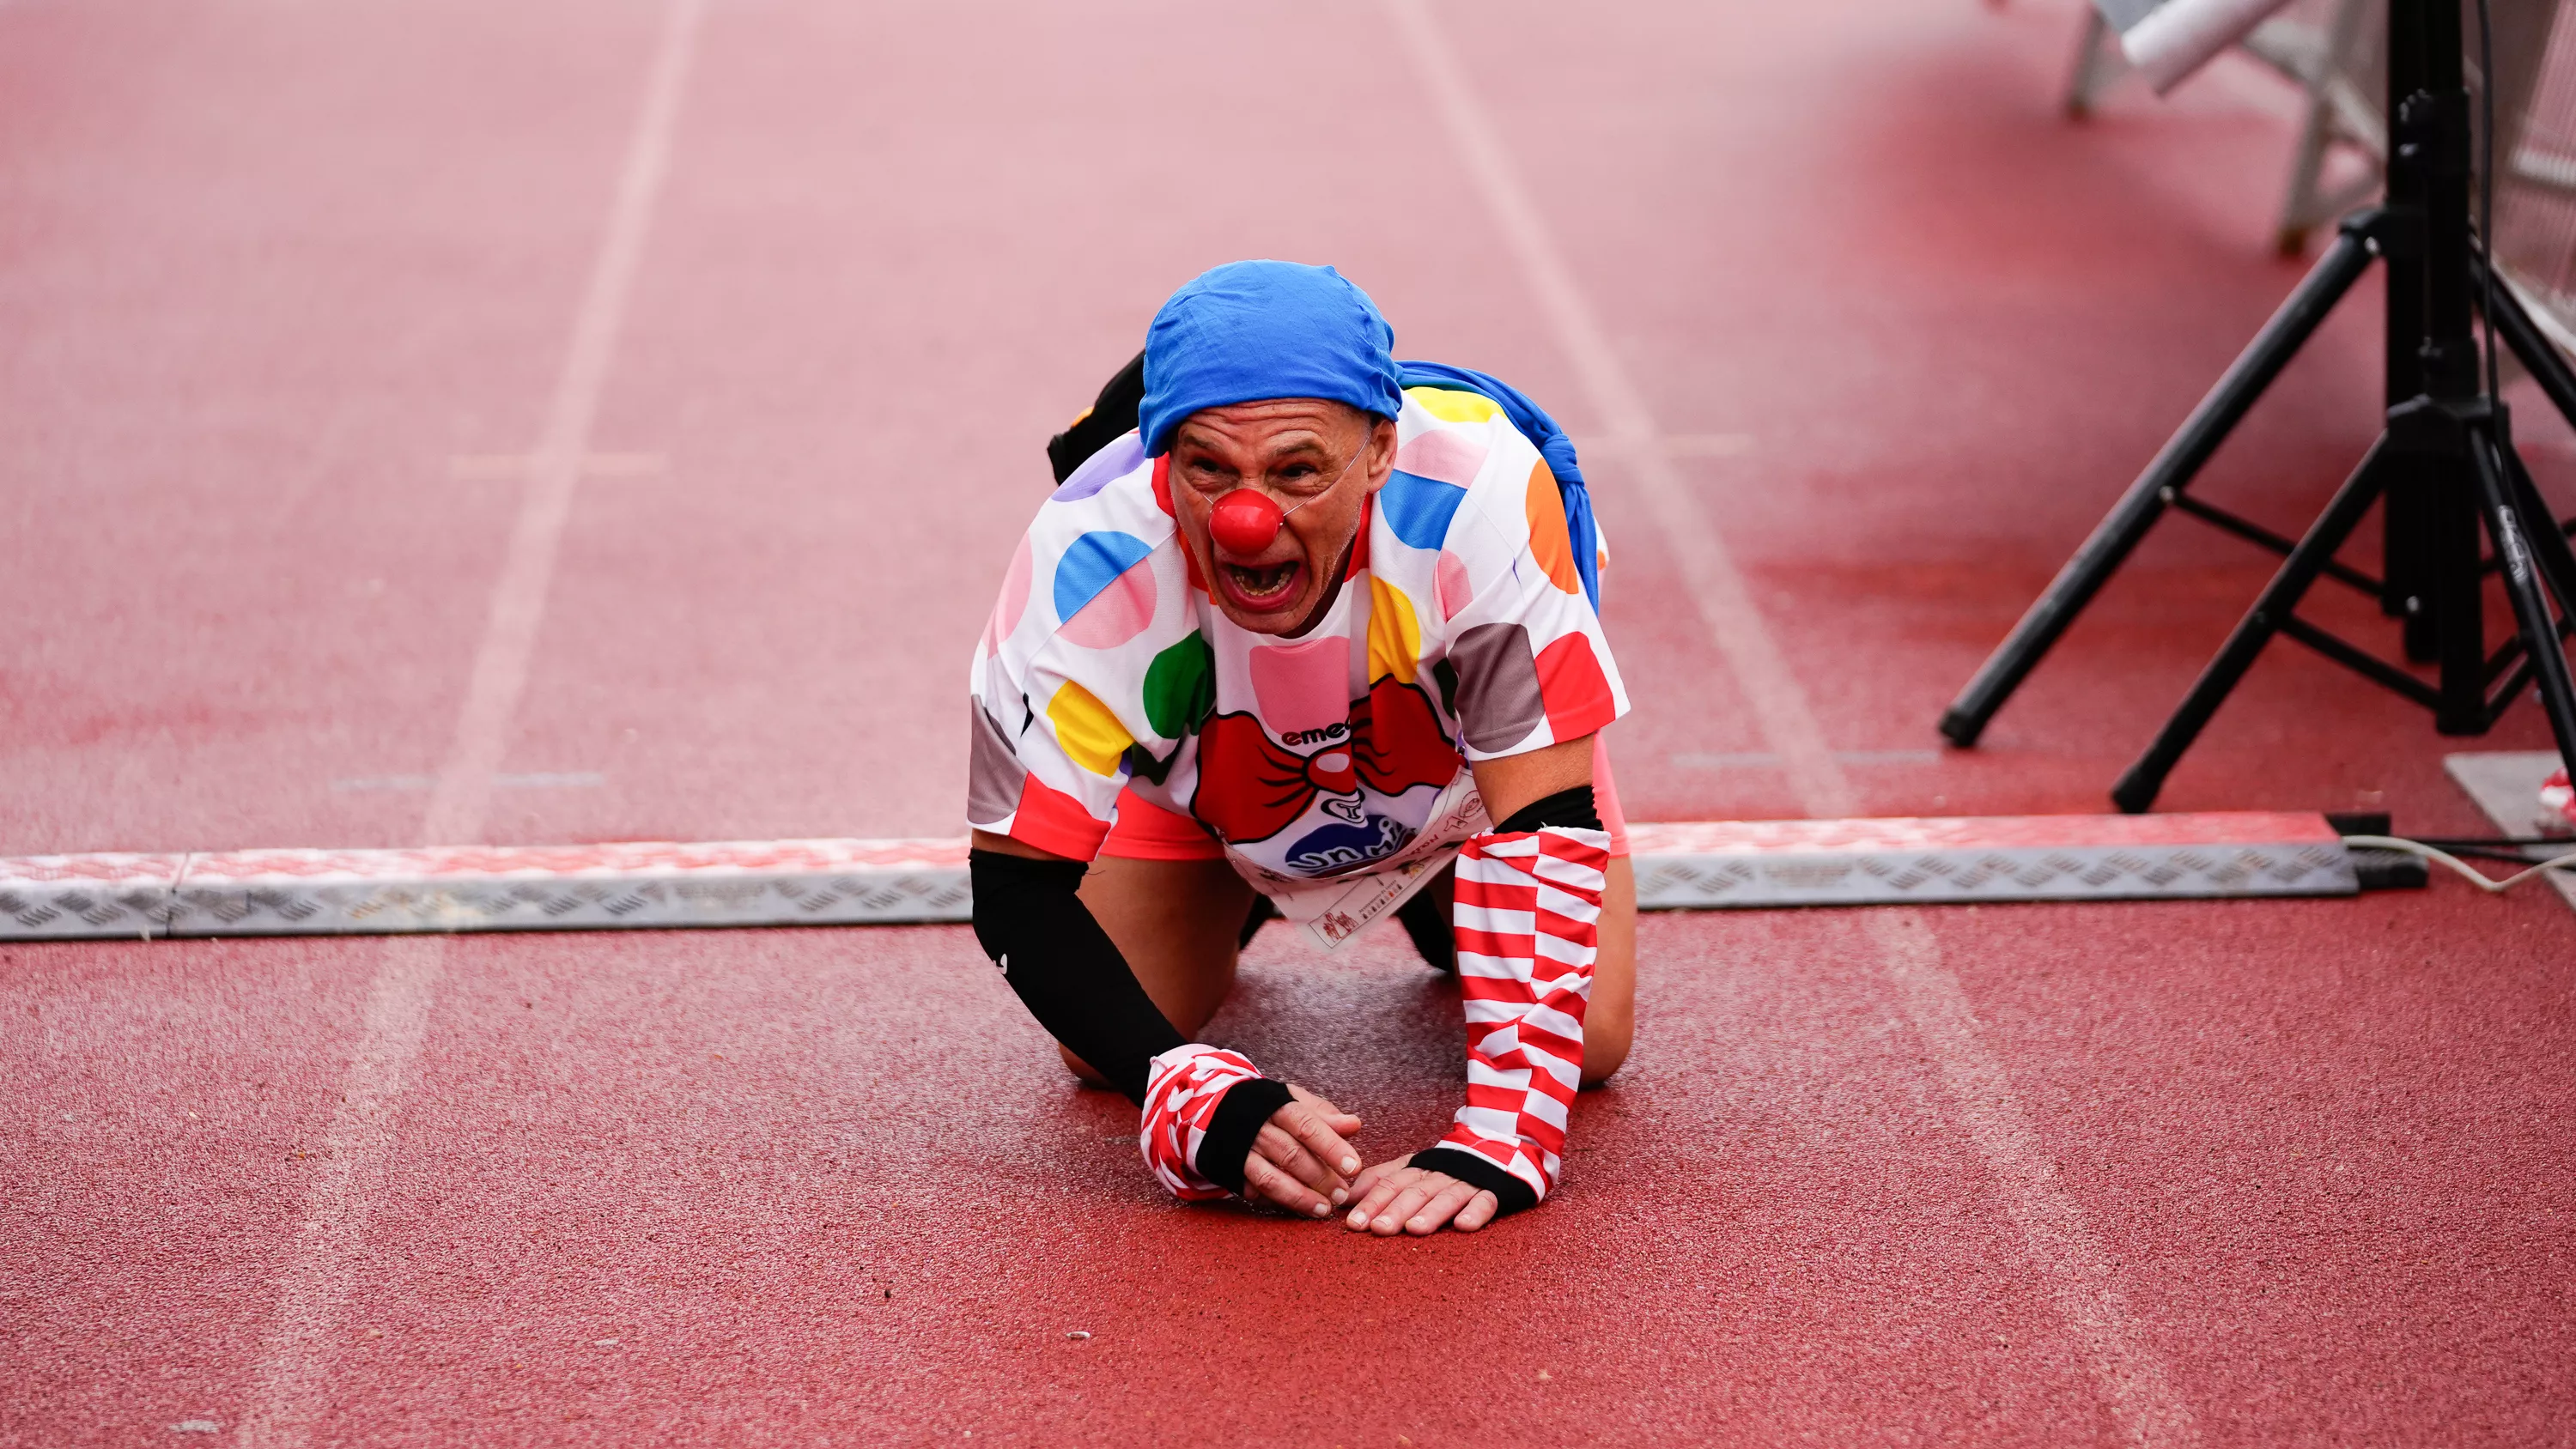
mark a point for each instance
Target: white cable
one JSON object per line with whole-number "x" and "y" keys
{"x": 2483, "y": 882}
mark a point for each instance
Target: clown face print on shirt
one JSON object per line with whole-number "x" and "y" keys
{"x": 1461, "y": 632}
{"x": 1334, "y": 784}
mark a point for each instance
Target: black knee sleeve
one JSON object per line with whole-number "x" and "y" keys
{"x": 1065, "y": 968}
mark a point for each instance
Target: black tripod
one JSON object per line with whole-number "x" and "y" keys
{"x": 2444, "y": 463}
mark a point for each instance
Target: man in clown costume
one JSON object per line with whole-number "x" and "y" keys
{"x": 1322, "y": 629}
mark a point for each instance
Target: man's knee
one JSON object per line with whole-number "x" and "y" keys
{"x": 1090, "y": 1078}
{"x": 1605, "y": 1045}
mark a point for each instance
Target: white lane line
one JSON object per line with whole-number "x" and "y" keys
{"x": 2082, "y": 1278}
{"x": 456, "y": 808}
{"x": 1716, "y": 585}
{"x": 290, "y": 1384}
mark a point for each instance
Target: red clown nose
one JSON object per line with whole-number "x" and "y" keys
{"x": 1244, "y": 522}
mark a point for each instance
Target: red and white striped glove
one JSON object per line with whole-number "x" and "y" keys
{"x": 1528, "y": 927}
{"x": 1181, "y": 1096}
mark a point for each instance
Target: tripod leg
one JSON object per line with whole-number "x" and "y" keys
{"x": 2095, "y": 67}
{"x": 2401, "y": 517}
{"x": 2548, "y": 545}
{"x": 2138, "y": 787}
{"x": 2547, "y": 364}
{"x": 2506, "y": 525}
{"x": 2172, "y": 470}
{"x": 2451, "y": 588}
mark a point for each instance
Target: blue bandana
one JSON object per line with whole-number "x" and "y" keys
{"x": 1253, "y": 331}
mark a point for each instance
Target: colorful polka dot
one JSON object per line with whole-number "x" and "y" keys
{"x": 1305, "y": 685}
{"x": 1447, "y": 456}
{"x": 1098, "y": 471}
{"x": 1087, "y": 730}
{"x": 1117, "y": 613}
{"x": 1180, "y": 687}
{"x": 1452, "y": 406}
{"x": 1093, "y": 563}
{"x": 1394, "y": 635}
{"x": 1014, "y": 600}
{"x": 1549, "y": 543}
{"x": 993, "y": 772}
{"x": 1577, "y": 692}
{"x": 1498, "y": 700}
{"x": 1450, "y": 588}
{"x": 1418, "y": 509}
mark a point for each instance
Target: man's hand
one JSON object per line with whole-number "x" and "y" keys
{"x": 1397, "y": 1198}
{"x": 1301, "y": 1160}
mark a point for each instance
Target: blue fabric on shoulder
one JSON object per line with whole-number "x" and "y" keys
{"x": 1552, "y": 444}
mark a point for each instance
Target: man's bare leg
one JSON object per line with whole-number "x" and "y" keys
{"x": 1178, "y": 923}
{"x": 1610, "y": 1021}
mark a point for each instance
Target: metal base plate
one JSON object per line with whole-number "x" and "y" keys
{"x": 2506, "y": 785}
{"x": 642, "y": 885}
{"x": 653, "y": 885}
{"x": 1989, "y": 858}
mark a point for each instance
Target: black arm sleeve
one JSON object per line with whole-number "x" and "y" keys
{"x": 1065, "y": 968}
{"x": 1240, "y": 1115}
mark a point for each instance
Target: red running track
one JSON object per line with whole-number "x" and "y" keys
{"x": 286, "y": 286}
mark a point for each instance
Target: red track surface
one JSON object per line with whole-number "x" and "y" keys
{"x": 2223, "y": 1173}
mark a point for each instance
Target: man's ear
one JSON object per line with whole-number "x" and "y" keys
{"x": 1382, "y": 438}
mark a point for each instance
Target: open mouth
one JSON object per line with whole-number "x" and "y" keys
{"x": 1262, "y": 587}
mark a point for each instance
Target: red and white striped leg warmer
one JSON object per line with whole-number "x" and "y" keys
{"x": 1528, "y": 927}
{"x": 1182, "y": 1094}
